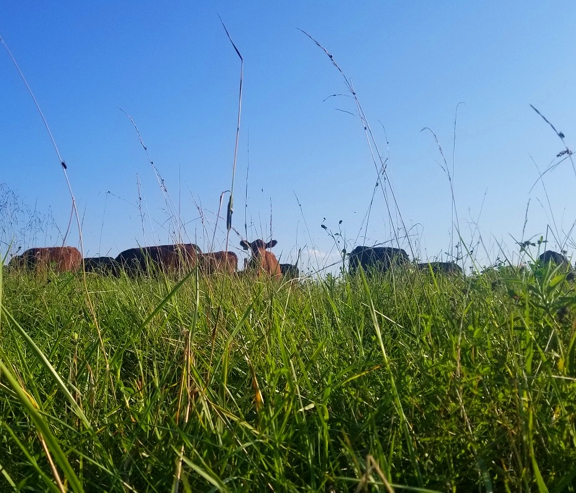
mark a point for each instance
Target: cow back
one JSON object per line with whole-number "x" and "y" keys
{"x": 379, "y": 259}
{"x": 59, "y": 259}
{"x": 162, "y": 258}
{"x": 102, "y": 265}
{"x": 555, "y": 257}
{"x": 441, "y": 267}
{"x": 290, "y": 271}
{"x": 209, "y": 263}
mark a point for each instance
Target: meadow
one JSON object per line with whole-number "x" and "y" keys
{"x": 410, "y": 380}
{"x": 407, "y": 381}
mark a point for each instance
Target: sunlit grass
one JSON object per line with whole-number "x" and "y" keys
{"x": 240, "y": 384}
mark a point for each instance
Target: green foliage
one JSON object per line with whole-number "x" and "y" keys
{"x": 424, "y": 380}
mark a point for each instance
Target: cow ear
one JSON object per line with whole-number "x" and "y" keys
{"x": 271, "y": 244}
{"x": 244, "y": 244}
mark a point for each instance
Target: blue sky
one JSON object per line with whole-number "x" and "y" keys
{"x": 171, "y": 67}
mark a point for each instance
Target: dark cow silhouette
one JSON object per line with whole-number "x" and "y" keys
{"x": 59, "y": 259}
{"x": 557, "y": 258}
{"x": 218, "y": 262}
{"x": 262, "y": 261}
{"x": 439, "y": 267}
{"x": 102, "y": 265}
{"x": 379, "y": 259}
{"x": 290, "y": 271}
{"x": 551, "y": 256}
{"x": 168, "y": 259}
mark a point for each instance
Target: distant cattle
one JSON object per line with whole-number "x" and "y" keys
{"x": 379, "y": 259}
{"x": 555, "y": 257}
{"x": 560, "y": 260}
{"x": 439, "y": 267}
{"x": 290, "y": 271}
{"x": 58, "y": 259}
{"x": 102, "y": 265}
{"x": 168, "y": 259}
{"x": 218, "y": 262}
{"x": 262, "y": 261}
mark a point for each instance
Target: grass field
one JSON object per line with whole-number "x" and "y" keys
{"x": 409, "y": 381}
{"x": 405, "y": 381}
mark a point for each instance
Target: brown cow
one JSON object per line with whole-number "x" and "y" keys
{"x": 59, "y": 259}
{"x": 162, "y": 258}
{"x": 261, "y": 260}
{"x": 218, "y": 262}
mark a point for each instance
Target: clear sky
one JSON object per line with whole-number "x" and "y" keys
{"x": 170, "y": 66}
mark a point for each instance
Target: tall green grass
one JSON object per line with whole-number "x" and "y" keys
{"x": 409, "y": 381}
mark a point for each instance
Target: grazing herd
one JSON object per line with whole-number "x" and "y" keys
{"x": 167, "y": 259}
{"x": 181, "y": 258}
{"x": 382, "y": 259}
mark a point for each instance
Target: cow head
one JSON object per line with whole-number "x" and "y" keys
{"x": 262, "y": 260}
{"x": 258, "y": 246}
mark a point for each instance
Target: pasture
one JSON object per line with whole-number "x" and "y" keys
{"x": 326, "y": 365}
{"x": 412, "y": 380}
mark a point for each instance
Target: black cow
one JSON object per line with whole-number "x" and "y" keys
{"x": 557, "y": 258}
{"x": 168, "y": 259}
{"x": 290, "y": 271}
{"x": 379, "y": 259}
{"x": 102, "y": 265}
{"x": 439, "y": 267}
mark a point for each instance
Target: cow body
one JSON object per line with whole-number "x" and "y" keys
{"x": 555, "y": 257}
{"x": 168, "y": 259}
{"x": 379, "y": 259}
{"x": 210, "y": 263}
{"x": 102, "y": 265}
{"x": 441, "y": 267}
{"x": 560, "y": 260}
{"x": 290, "y": 271}
{"x": 59, "y": 259}
{"x": 262, "y": 261}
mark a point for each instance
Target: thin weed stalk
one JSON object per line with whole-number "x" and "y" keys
{"x": 177, "y": 225}
{"x": 230, "y": 209}
{"x": 73, "y": 199}
{"x": 379, "y": 163}
{"x": 246, "y": 189}
{"x": 567, "y": 153}
{"x": 450, "y": 176}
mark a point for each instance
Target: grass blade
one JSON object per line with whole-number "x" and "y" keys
{"x": 43, "y": 429}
